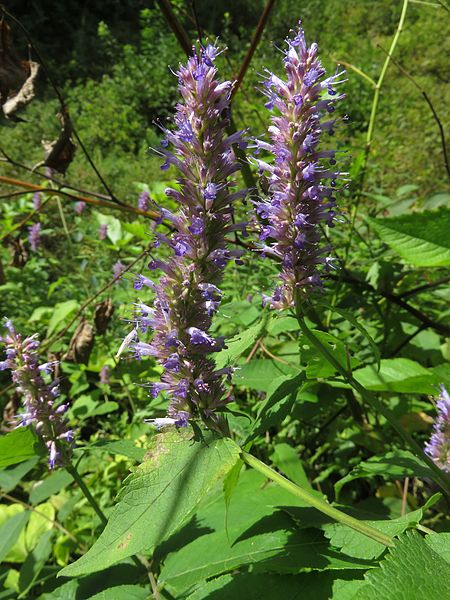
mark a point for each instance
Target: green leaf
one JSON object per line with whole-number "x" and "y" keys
{"x": 338, "y": 585}
{"x": 17, "y": 446}
{"x": 259, "y": 374}
{"x": 398, "y": 375}
{"x": 123, "y": 447}
{"x": 287, "y": 460}
{"x": 35, "y": 562}
{"x": 60, "y": 313}
{"x": 10, "y": 531}
{"x": 238, "y": 344}
{"x": 358, "y": 545}
{"x": 281, "y": 396}
{"x": 11, "y": 476}
{"x": 122, "y": 592}
{"x": 282, "y": 324}
{"x": 52, "y": 484}
{"x": 440, "y": 543}
{"x": 394, "y": 465}
{"x": 421, "y": 239}
{"x": 159, "y": 495}
{"x": 411, "y": 571}
{"x": 318, "y": 367}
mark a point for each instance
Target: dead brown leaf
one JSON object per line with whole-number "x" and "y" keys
{"x": 59, "y": 153}
{"x": 81, "y": 344}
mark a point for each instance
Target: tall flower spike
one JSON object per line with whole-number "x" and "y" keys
{"x": 438, "y": 448}
{"x": 38, "y": 396}
{"x": 302, "y": 177}
{"x": 187, "y": 295}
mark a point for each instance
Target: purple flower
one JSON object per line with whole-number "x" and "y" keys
{"x": 102, "y": 231}
{"x": 438, "y": 448}
{"x": 105, "y": 374}
{"x": 34, "y": 236}
{"x": 187, "y": 295}
{"x": 302, "y": 177}
{"x": 144, "y": 200}
{"x": 37, "y": 200}
{"x": 118, "y": 269}
{"x": 38, "y": 396}
{"x": 79, "y": 207}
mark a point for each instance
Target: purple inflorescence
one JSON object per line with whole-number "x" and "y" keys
{"x": 118, "y": 269}
{"x": 38, "y": 396}
{"x": 79, "y": 207}
{"x": 302, "y": 177}
{"x": 37, "y": 200}
{"x": 438, "y": 448}
{"x": 105, "y": 375}
{"x": 102, "y": 231}
{"x": 34, "y": 236}
{"x": 187, "y": 295}
{"x": 144, "y": 200}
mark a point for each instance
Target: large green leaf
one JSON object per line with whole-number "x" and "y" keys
{"x": 10, "y": 531}
{"x": 394, "y": 465}
{"x": 122, "y": 592}
{"x": 358, "y": 545}
{"x": 239, "y": 344}
{"x": 440, "y": 543}
{"x": 17, "y": 446}
{"x": 52, "y": 484}
{"x": 259, "y": 374}
{"x": 398, "y": 375}
{"x": 35, "y": 562}
{"x": 60, "y": 314}
{"x": 421, "y": 239}
{"x": 411, "y": 571}
{"x": 263, "y": 586}
{"x": 158, "y": 496}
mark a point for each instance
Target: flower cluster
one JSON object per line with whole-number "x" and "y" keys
{"x": 438, "y": 448}
{"x": 302, "y": 177}
{"x": 144, "y": 200}
{"x": 187, "y": 295}
{"x": 34, "y": 236}
{"x": 38, "y": 396}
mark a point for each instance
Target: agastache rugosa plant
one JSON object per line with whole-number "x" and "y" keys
{"x": 438, "y": 448}
{"x": 187, "y": 295}
{"x": 302, "y": 186}
{"x": 38, "y": 396}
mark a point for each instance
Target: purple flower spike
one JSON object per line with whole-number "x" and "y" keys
{"x": 302, "y": 178}
{"x": 438, "y": 448}
{"x": 34, "y": 236}
{"x": 38, "y": 396}
{"x": 144, "y": 201}
{"x": 37, "y": 200}
{"x": 118, "y": 269}
{"x": 102, "y": 231}
{"x": 187, "y": 295}
{"x": 79, "y": 207}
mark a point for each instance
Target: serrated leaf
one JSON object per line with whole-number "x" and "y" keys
{"x": 410, "y": 571}
{"x": 238, "y": 344}
{"x": 395, "y": 465}
{"x": 398, "y": 375}
{"x": 159, "y": 495}
{"x": 17, "y": 446}
{"x": 358, "y": 545}
{"x": 440, "y": 543}
{"x": 421, "y": 239}
{"x": 35, "y": 562}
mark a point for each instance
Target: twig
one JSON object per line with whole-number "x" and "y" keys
{"x": 44, "y": 516}
{"x": 356, "y": 69}
{"x": 406, "y": 341}
{"x": 424, "y": 287}
{"x": 197, "y": 22}
{"x": 280, "y": 360}
{"x": 404, "y": 496}
{"x": 61, "y": 99}
{"x": 431, "y": 107}
{"x": 253, "y": 45}
{"x": 177, "y": 28}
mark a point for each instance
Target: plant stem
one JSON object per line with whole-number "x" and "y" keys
{"x": 89, "y": 497}
{"x": 317, "y": 503}
{"x": 373, "y": 401}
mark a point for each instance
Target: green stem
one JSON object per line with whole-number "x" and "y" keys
{"x": 70, "y": 468}
{"x": 316, "y": 502}
{"x": 378, "y": 406}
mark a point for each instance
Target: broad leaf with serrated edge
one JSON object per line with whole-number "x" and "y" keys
{"x": 158, "y": 496}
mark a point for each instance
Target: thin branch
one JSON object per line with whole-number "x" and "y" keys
{"x": 177, "y": 28}
{"x": 431, "y": 107}
{"x": 44, "y": 516}
{"x": 356, "y": 70}
{"x": 253, "y": 45}
{"x": 61, "y": 99}
{"x": 425, "y": 287}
